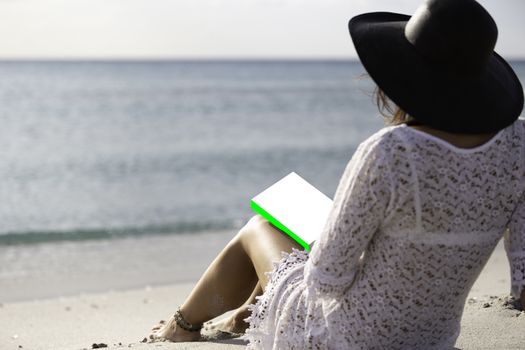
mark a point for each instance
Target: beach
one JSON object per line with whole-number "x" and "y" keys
{"x": 121, "y": 318}
{"x": 121, "y": 181}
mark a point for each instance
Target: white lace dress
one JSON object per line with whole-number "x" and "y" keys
{"x": 414, "y": 221}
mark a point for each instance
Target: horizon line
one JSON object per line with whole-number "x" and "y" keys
{"x": 197, "y": 59}
{"x": 327, "y": 58}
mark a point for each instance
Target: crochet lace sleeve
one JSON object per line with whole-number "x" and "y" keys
{"x": 514, "y": 241}
{"x": 360, "y": 201}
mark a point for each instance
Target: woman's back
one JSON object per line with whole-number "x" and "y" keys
{"x": 427, "y": 216}
{"x": 450, "y": 206}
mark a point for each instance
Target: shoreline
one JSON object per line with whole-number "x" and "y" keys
{"x": 53, "y": 270}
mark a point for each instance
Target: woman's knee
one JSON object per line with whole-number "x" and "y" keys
{"x": 254, "y": 225}
{"x": 257, "y": 219}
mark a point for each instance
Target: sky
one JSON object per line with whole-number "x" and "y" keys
{"x": 207, "y": 29}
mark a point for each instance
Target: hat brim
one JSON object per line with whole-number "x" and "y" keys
{"x": 449, "y": 102}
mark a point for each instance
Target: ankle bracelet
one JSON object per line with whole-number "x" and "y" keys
{"x": 182, "y": 323}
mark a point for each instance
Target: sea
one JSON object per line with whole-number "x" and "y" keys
{"x": 103, "y": 151}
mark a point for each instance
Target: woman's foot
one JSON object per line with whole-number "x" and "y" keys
{"x": 159, "y": 325}
{"x": 234, "y": 324}
{"x": 170, "y": 331}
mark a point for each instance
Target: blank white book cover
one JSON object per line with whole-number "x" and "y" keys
{"x": 296, "y": 207}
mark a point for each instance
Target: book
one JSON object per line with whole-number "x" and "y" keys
{"x": 296, "y": 207}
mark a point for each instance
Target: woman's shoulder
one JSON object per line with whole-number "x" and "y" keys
{"x": 385, "y": 139}
{"x": 384, "y": 133}
{"x": 402, "y": 138}
{"x": 380, "y": 147}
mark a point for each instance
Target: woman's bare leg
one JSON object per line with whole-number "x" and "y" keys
{"x": 235, "y": 322}
{"x": 232, "y": 276}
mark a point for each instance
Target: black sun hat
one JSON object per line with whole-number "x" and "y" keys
{"x": 439, "y": 65}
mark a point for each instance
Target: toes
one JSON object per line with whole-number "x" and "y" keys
{"x": 157, "y": 332}
{"x": 157, "y": 327}
{"x": 155, "y": 336}
{"x": 152, "y": 334}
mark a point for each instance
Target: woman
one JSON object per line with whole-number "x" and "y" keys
{"x": 416, "y": 215}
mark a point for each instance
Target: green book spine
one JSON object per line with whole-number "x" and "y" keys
{"x": 278, "y": 224}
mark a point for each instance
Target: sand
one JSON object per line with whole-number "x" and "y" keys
{"x": 121, "y": 319}
{"x": 77, "y": 322}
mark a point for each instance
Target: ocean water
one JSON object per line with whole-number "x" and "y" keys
{"x": 95, "y": 150}
{"x": 104, "y": 149}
